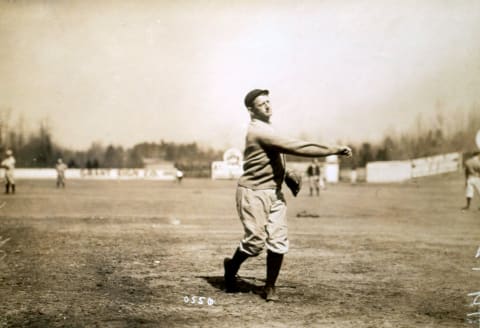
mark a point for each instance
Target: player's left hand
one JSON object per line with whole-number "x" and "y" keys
{"x": 293, "y": 180}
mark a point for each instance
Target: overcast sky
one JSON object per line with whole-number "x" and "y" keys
{"x": 124, "y": 72}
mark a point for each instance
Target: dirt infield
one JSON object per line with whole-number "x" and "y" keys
{"x": 133, "y": 253}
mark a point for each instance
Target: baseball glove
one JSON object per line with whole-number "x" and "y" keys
{"x": 293, "y": 180}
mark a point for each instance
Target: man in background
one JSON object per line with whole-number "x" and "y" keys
{"x": 61, "y": 168}
{"x": 9, "y": 165}
{"x": 313, "y": 174}
{"x": 353, "y": 174}
{"x": 179, "y": 176}
{"x": 472, "y": 178}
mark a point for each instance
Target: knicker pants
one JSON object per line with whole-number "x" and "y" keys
{"x": 9, "y": 178}
{"x": 263, "y": 214}
{"x": 472, "y": 183}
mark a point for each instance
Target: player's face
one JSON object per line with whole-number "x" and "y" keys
{"x": 261, "y": 108}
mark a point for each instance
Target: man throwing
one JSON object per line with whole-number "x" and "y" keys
{"x": 260, "y": 203}
{"x": 472, "y": 178}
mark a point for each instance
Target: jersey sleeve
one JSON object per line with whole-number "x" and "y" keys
{"x": 290, "y": 146}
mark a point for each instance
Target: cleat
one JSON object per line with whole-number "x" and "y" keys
{"x": 271, "y": 294}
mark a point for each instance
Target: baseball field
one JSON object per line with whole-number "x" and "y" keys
{"x": 149, "y": 254}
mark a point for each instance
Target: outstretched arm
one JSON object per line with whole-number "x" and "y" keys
{"x": 301, "y": 148}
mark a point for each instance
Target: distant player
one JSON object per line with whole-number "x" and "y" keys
{"x": 61, "y": 168}
{"x": 322, "y": 182}
{"x": 179, "y": 176}
{"x": 260, "y": 202}
{"x": 313, "y": 174}
{"x": 472, "y": 178}
{"x": 353, "y": 174}
{"x": 9, "y": 165}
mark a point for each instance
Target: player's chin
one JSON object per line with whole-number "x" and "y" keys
{"x": 266, "y": 117}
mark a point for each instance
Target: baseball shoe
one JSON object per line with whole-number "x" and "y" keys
{"x": 271, "y": 294}
{"x": 230, "y": 279}
{"x": 465, "y": 209}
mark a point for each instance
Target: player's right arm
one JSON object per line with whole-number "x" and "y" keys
{"x": 298, "y": 147}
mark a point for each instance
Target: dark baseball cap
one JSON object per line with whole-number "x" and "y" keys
{"x": 250, "y": 97}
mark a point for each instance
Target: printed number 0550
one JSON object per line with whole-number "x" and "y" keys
{"x": 198, "y": 300}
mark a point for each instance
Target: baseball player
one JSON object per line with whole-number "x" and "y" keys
{"x": 179, "y": 176}
{"x": 260, "y": 202}
{"x": 353, "y": 174}
{"x": 9, "y": 165}
{"x": 313, "y": 174}
{"x": 472, "y": 178}
{"x": 61, "y": 168}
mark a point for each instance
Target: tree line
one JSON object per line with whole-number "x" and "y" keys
{"x": 435, "y": 136}
{"x": 428, "y": 137}
{"x": 39, "y": 150}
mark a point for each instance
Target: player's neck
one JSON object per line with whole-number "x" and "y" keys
{"x": 261, "y": 119}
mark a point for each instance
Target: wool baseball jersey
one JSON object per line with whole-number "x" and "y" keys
{"x": 9, "y": 163}
{"x": 313, "y": 169}
{"x": 264, "y": 162}
{"x": 61, "y": 168}
{"x": 472, "y": 166}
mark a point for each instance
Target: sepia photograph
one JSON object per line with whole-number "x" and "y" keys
{"x": 249, "y": 163}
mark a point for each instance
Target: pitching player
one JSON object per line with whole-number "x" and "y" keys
{"x": 61, "y": 168}
{"x": 260, "y": 202}
{"x": 9, "y": 165}
{"x": 472, "y": 178}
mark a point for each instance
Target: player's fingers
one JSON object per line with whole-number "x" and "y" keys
{"x": 347, "y": 151}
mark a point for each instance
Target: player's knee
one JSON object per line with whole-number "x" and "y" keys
{"x": 254, "y": 247}
{"x": 257, "y": 247}
{"x": 279, "y": 246}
